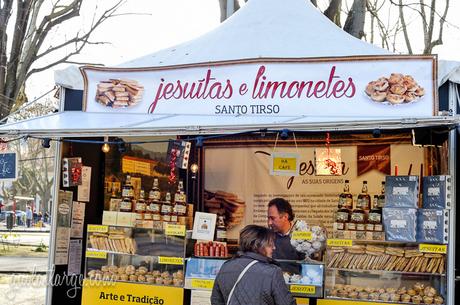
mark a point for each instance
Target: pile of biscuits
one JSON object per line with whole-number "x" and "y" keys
{"x": 371, "y": 257}
{"x": 396, "y": 89}
{"x": 141, "y": 274}
{"x": 119, "y": 93}
{"x": 228, "y": 204}
{"x": 114, "y": 240}
{"x": 418, "y": 294}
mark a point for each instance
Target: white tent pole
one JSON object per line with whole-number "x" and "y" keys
{"x": 230, "y": 8}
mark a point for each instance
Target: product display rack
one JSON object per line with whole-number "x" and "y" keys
{"x": 156, "y": 256}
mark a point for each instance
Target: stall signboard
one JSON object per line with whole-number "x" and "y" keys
{"x": 371, "y": 86}
{"x": 105, "y": 293}
{"x": 8, "y": 166}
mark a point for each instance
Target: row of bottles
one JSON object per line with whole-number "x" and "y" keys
{"x": 366, "y": 214}
{"x": 153, "y": 208}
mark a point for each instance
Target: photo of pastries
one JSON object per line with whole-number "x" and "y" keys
{"x": 226, "y": 203}
{"x": 119, "y": 93}
{"x": 394, "y": 90}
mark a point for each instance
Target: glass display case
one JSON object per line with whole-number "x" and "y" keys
{"x": 136, "y": 255}
{"x": 402, "y": 273}
{"x": 308, "y": 282}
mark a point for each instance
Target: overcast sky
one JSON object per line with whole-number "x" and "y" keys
{"x": 168, "y": 22}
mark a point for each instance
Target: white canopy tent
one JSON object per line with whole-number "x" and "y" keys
{"x": 260, "y": 29}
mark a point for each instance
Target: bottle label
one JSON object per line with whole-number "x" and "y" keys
{"x": 126, "y": 192}
{"x": 360, "y": 227}
{"x": 221, "y": 234}
{"x": 166, "y": 218}
{"x": 363, "y": 203}
{"x": 156, "y": 217}
{"x": 357, "y": 217}
{"x": 173, "y": 218}
{"x": 341, "y": 216}
{"x": 351, "y": 226}
{"x": 381, "y": 202}
{"x": 140, "y": 207}
{"x": 126, "y": 205}
{"x": 155, "y": 195}
{"x": 166, "y": 209}
{"x": 375, "y": 218}
{"x": 181, "y": 209}
{"x": 154, "y": 207}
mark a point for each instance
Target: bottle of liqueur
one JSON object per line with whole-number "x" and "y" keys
{"x": 180, "y": 200}
{"x": 114, "y": 202}
{"x": 154, "y": 203}
{"x": 140, "y": 203}
{"x": 221, "y": 229}
{"x": 364, "y": 199}
{"x": 375, "y": 216}
{"x": 127, "y": 194}
{"x": 342, "y": 215}
{"x": 166, "y": 208}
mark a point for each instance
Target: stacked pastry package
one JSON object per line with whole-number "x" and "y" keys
{"x": 400, "y": 211}
{"x": 433, "y": 218}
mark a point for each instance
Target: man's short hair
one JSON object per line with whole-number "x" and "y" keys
{"x": 283, "y": 206}
{"x": 254, "y": 238}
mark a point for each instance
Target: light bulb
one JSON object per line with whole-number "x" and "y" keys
{"x": 194, "y": 168}
{"x": 106, "y": 146}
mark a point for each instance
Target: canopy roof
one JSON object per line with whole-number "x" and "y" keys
{"x": 260, "y": 29}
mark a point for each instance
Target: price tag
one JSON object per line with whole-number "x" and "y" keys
{"x": 98, "y": 229}
{"x": 163, "y": 260}
{"x": 302, "y": 235}
{"x": 301, "y": 289}
{"x": 177, "y": 230}
{"x": 202, "y": 284}
{"x": 96, "y": 254}
{"x": 340, "y": 242}
{"x": 429, "y": 248}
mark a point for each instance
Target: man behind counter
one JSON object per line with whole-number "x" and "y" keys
{"x": 280, "y": 219}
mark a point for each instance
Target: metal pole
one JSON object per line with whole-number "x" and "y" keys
{"x": 230, "y": 8}
{"x": 452, "y": 225}
{"x": 53, "y": 213}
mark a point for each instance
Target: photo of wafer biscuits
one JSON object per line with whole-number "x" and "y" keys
{"x": 222, "y": 202}
{"x": 119, "y": 93}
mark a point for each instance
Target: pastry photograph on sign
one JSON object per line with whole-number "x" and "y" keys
{"x": 119, "y": 93}
{"x": 394, "y": 90}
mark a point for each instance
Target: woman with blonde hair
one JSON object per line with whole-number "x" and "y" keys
{"x": 252, "y": 277}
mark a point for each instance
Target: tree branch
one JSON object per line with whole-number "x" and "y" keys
{"x": 404, "y": 28}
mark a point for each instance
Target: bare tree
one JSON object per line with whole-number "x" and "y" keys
{"x": 223, "y": 8}
{"x": 354, "y": 25}
{"x": 333, "y": 11}
{"x": 35, "y": 23}
{"x": 430, "y": 19}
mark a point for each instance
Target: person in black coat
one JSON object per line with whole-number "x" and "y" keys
{"x": 262, "y": 284}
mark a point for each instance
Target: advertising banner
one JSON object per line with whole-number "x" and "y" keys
{"x": 380, "y": 86}
{"x": 238, "y": 183}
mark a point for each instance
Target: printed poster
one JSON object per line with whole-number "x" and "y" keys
{"x": 78, "y": 219}
{"x": 238, "y": 184}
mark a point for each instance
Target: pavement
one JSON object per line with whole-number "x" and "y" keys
{"x": 11, "y": 264}
{"x": 22, "y": 289}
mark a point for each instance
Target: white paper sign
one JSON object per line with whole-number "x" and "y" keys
{"x": 75, "y": 253}
{"x": 203, "y": 226}
{"x": 85, "y": 187}
{"x": 61, "y": 254}
{"x": 78, "y": 219}
{"x": 319, "y": 87}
